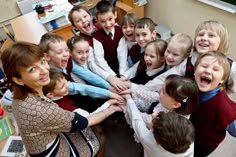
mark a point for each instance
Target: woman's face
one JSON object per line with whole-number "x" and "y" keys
{"x": 207, "y": 40}
{"x": 35, "y": 76}
{"x": 83, "y": 21}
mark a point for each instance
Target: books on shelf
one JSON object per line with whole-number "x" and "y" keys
{"x": 5, "y": 128}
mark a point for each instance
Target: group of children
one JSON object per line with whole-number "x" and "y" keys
{"x": 130, "y": 64}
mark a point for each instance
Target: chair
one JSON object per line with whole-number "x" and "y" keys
{"x": 8, "y": 33}
{"x": 7, "y": 43}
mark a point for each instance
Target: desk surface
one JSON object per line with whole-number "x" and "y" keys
{"x": 27, "y": 28}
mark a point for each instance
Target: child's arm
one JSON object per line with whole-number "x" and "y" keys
{"x": 232, "y": 128}
{"x": 94, "y": 67}
{"x": 99, "y": 57}
{"x": 91, "y": 91}
{"x": 117, "y": 83}
{"x": 89, "y": 76}
{"x": 122, "y": 53}
{"x": 144, "y": 99}
{"x": 137, "y": 122}
{"x": 131, "y": 72}
{"x": 88, "y": 90}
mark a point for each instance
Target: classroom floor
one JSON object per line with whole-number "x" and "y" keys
{"x": 120, "y": 141}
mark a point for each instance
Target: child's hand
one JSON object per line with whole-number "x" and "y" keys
{"x": 117, "y": 83}
{"x": 117, "y": 97}
{"x": 113, "y": 89}
{"x": 126, "y": 94}
{"x": 112, "y": 101}
{"x": 123, "y": 78}
{"x": 116, "y": 108}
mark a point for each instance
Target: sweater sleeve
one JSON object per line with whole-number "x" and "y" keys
{"x": 131, "y": 72}
{"x": 78, "y": 123}
{"x": 232, "y": 128}
{"x": 137, "y": 122}
{"x": 89, "y": 76}
{"x": 144, "y": 99}
{"x": 87, "y": 90}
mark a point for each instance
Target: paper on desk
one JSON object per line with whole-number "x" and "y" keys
{"x": 53, "y": 16}
{"x": 140, "y": 2}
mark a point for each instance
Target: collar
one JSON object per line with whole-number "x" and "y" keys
{"x": 142, "y": 50}
{"x": 204, "y": 96}
{"x": 60, "y": 69}
{"x": 112, "y": 32}
{"x": 83, "y": 66}
{"x": 154, "y": 71}
{"x": 130, "y": 44}
{"x": 56, "y": 98}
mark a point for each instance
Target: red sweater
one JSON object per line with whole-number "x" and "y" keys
{"x": 66, "y": 103}
{"x": 211, "y": 119}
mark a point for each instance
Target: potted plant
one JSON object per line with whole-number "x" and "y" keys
{"x": 40, "y": 10}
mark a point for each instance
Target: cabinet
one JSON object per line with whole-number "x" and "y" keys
{"x": 127, "y": 6}
{"x": 64, "y": 31}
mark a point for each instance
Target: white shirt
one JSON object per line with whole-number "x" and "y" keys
{"x": 145, "y": 136}
{"x": 99, "y": 56}
{"x": 122, "y": 54}
{"x": 91, "y": 64}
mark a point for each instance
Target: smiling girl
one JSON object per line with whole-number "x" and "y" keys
{"x": 209, "y": 36}
{"x": 216, "y": 110}
{"x": 153, "y": 63}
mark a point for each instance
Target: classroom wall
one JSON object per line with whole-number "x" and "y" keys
{"x": 185, "y": 15}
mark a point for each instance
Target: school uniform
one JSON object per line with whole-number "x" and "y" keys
{"x": 210, "y": 120}
{"x": 105, "y": 49}
{"x": 125, "y": 48}
{"x": 91, "y": 64}
{"x": 143, "y": 75}
{"x": 145, "y": 135}
{"x": 156, "y": 83}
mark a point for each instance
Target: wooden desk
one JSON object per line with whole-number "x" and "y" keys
{"x": 27, "y": 28}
